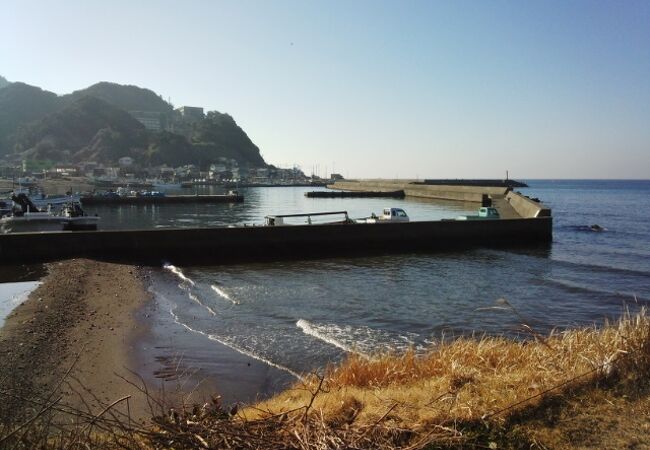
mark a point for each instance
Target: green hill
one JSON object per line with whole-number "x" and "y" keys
{"x": 21, "y": 104}
{"x": 126, "y": 97}
{"x": 61, "y": 135}
{"x": 93, "y": 124}
{"x": 221, "y": 136}
{"x": 3, "y": 82}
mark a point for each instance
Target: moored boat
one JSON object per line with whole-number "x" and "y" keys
{"x": 26, "y": 217}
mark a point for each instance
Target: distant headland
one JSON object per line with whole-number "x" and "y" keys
{"x": 109, "y": 121}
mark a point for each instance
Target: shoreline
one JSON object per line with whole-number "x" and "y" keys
{"x": 73, "y": 338}
{"x": 92, "y": 333}
{"x": 180, "y": 361}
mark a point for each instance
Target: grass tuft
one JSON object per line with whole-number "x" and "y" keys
{"x": 558, "y": 391}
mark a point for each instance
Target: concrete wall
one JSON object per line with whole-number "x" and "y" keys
{"x": 441, "y": 192}
{"x": 525, "y": 207}
{"x": 225, "y": 245}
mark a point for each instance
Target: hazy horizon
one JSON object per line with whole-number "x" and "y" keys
{"x": 545, "y": 90}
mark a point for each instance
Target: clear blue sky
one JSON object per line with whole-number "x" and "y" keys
{"x": 545, "y": 89}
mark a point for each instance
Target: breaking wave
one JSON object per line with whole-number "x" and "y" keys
{"x": 326, "y": 333}
{"x": 578, "y": 287}
{"x": 235, "y": 347}
{"x": 179, "y": 273}
{"x": 187, "y": 284}
{"x": 363, "y": 341}
{"x": 196, "y": 299}
{"x": 223, "y": 294}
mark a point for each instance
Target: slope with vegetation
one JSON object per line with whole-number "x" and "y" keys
{"x": 126, "y": 97}
{"x": 583, "y": 388}
{"x": 94, "y": 124}
{"x": 61, "y": 135}
{"x": 21, "y": 104}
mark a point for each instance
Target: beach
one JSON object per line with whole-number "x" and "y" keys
{"x": 73, "y": 338}
{"x": 92, "y": 338}
{"x": 92, "y": 334}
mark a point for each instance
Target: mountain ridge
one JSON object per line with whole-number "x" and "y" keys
{"x": 38, "y": 124}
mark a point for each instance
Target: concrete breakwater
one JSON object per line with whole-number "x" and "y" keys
{"x": 460, "y": 182}
{"x": 511, "y": 204}
{"x": 159, "y": 200}
{"x": 225, "y": 245}
{"x": 355, "y": 194}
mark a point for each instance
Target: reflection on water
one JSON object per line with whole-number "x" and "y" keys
{"x": 301, "y": 315}
{"x": 259, "y": 202}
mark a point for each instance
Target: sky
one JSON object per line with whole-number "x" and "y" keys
{"x": 390, "y": 89}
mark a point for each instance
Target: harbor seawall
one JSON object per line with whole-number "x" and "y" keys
{"x": 526, "y": 207}
{"x": 502, "y": 196}
{"x": 167, "y": 199}
{"x": 224, "y": 245}
{"x": 439, "y": 192}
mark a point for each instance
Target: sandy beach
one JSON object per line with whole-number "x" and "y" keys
{"x": 72, "y": 338}
{"x": 92, "y": 334}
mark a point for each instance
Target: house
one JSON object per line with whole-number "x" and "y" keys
{"x": 190, "y": 114}
{"x": 125, "y": 161}
{"x": 216, "y": 170}
{"x": 151, "y": 120}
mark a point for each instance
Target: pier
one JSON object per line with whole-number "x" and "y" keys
{"x": 510, "y": 204}
{"x": 226, "y": 245}
{"x": 160, "y": 200}
{"x": 355, "y": 194}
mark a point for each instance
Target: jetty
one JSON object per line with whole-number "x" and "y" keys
{"x": 509, "y": 203}
{"x": 95, "y": 200}
{"x": 522, "y": 222}
{"x": 225, "y": 245}
{"x": 356, "y": 194}
{"x": 480, "y": 183}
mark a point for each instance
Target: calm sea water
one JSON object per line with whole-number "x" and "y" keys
{"x": 300, "y": 315}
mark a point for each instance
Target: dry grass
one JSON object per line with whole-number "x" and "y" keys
{"x": 470, "y": 380}
{"x": 491, "y": 392}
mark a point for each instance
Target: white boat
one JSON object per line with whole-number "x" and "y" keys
{"x": 44, "y": 201}
{"x": 32, "y": 222}
{"x": 26, "y": 218}
{"x": 161, "y": 185}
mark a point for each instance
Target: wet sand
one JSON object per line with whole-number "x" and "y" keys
{"x": 91, "y": 334}
{"x": 78, "y": 322}
{"x": 175, "y": 359}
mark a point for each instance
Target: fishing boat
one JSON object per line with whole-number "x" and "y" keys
{"x": 54, "y": 201}
{"x": 162, "y": 185}
{"x": 25, "y": 217}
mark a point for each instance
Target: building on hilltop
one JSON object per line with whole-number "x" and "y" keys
{"x": 184, "y": 118}
{"x": 125, "y": 161}
{"x": 151, "y": 120}
{"x": 189, "y": 114}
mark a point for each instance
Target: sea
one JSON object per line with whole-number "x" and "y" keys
{"x": 299, "y": 316}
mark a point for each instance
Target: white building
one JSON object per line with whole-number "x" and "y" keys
{"x": 125, "y": 161}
